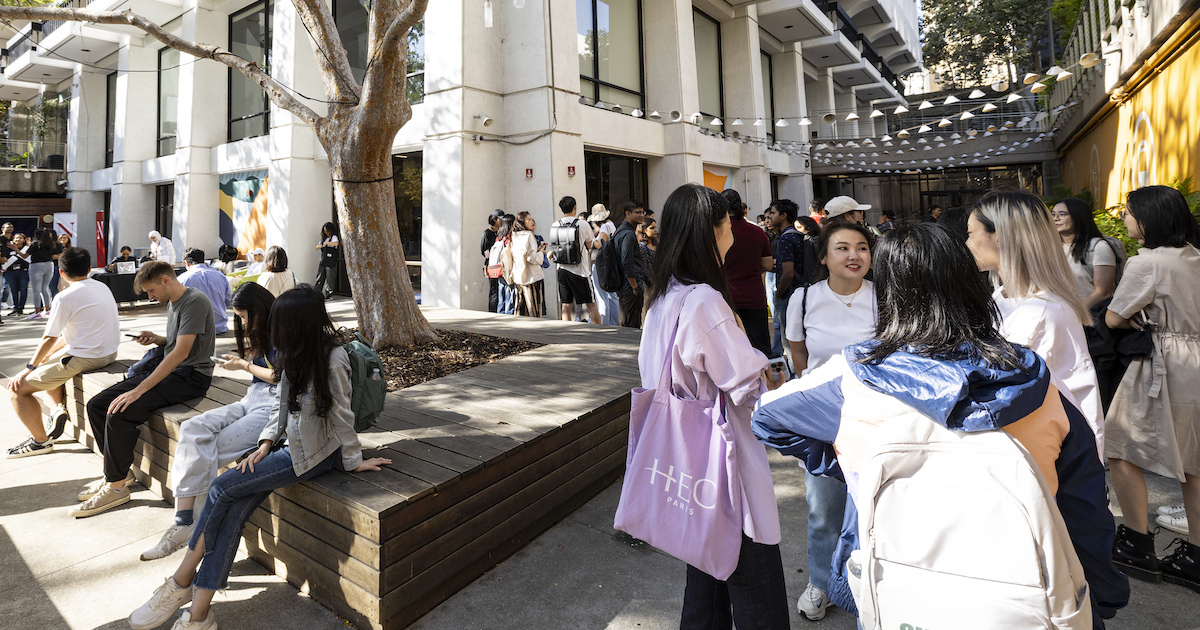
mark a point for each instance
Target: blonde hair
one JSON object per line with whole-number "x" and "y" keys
{"x": 1031, "y": 252}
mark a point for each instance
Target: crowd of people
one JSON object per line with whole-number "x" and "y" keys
{"x": 1004, "y": 316}
{"x": 29, "y": 267}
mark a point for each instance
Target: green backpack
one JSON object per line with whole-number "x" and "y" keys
{"x": 368, "y": 387}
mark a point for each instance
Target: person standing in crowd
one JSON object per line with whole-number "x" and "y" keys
{"x": 1155, "y": 415}
{"x": 745, "y": 263}
{"x": 528, "y": 255}
{"x": 328, "y": 247}
{"x": 934, "y": 214}
{"x": 42, "y": 254}
{"x": 845, "y": 209}
{"x": 822, "y": 320}
{"x": 6, "y": 232}
{"x": 181, "y": 371}
{"x": 955, "y": 218}
{"x": 649, "y": 228}
{"x": 507, "y": 304}
{"x": 161, "y": 248}
{"x": 214, "y": 439}
{"x": 574, "y": 280}
{"x": 886, "y": 222}
{"x": 938, "y": 351}
{"x": 1092, "y": 259}
{"x": 603, "y": 231}
{"x": 710, "y": 357}
{"x": 816, "y": 210}
{"x": 126, "y": 256}
{"x": 761, "y": 222}
{"x": 258, "y": 264}
{"x": 82, "y": 334}
{"x": 312, "y": 409}
{"x": 808, "y": 227}
{"x": 776, "y": 331}
{"x": 485, "y": 247}
{"x": 211, "y": 283}
{"x": 1013, "y": 238}
{"x": 632, "y": 292}
{"x": 64, "y": 242}
{"x": 277, "y": 278}
{"x": 795, "y": 263}
{"x": 16, "y": 272}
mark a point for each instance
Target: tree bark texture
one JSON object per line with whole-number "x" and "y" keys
{"x": 357, "y": 135}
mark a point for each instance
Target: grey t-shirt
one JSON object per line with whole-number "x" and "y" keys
{"x": 192, "y": 314}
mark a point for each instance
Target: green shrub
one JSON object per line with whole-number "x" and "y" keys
{"x": 1110, "y": 225}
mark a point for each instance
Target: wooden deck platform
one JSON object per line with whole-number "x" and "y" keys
{"x": 483, "y": 462}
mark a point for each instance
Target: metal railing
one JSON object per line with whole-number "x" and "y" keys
{"x": 31, "y": 154}
{"x": 52, "y": 25}
{"x": 23, "y": 45}
{"x": 842, "y": 22}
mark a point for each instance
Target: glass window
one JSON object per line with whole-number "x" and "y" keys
{"x": 110, "y": 118}
{"x": 249, "y": 38}
{"x": 351, "y": 17}
{"x": 610, "y": 51}
{"x": 168, "y": 100}
{"x": 614, "y": 179}
{"x": 768, "y": 96}
{"x": 708, "y": 68}
{"x": 415, "y": 80}
{"x": 164, "y": 209}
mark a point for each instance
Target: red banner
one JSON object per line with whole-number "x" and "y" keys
{"x": 100, "y": 257}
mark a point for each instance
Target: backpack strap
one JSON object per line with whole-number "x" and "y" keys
{"x": 803, "y": 312}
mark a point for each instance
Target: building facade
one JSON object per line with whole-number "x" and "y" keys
{"x": 520, "y": 103}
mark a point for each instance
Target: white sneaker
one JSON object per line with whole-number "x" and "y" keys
{"x": 94, "y": 487}
{"x": 812, "y": 603}
{"x": 185, "y": 622}
{"x": 1177, "y": 523}
{"x": 166, "y": 600}
{"x": 1170, "y": 510}
{"x": 173, "y": 540}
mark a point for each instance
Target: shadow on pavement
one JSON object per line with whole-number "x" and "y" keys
{"x": 26, "y": 604}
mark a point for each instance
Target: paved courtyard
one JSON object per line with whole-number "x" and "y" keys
{"x": 60, "y": 572}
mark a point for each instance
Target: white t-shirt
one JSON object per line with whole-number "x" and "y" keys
{"x": 584, "y": 267}
{"x": 163, "y": 250}
{"x": 828, "y": 325}
{"x": 277, "y": 281}
{"x": 1102, "y": 256}
{"x": 85, "y": 316}
{"x": 256, "y": 268}
{"x": 332, "y": 240}
{"x": 1046, "y": 325}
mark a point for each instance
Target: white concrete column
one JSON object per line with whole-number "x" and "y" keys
{"x": 791, "y": 98}
{"x": 671, "y": 84}
{"x": 132, "y": 213}
{"x": 202, "y": 113}
{"x": 846, "y": 102}
{"x": 86, "y": 119}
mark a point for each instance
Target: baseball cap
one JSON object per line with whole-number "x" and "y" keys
{"x": 838, "y": 206}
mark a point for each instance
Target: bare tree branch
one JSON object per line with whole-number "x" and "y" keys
{"x": 331, "y": 53}
{"x": 277, "y": 93}
{"x": 384, "y": 63}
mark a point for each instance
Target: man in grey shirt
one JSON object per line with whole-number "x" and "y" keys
{"x": 182, "y": 371}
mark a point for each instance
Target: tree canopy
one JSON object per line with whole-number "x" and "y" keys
{"x": 968, "y": 40}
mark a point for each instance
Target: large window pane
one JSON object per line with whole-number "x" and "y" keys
{"x": 609, "y": 36}
{"x": 584, "y": 23}
{"x": 249, "y": 38}
{"x": 168, "y": 100}
{"x": 351, "y": 17}
{"x": 708, "y": 64}
{"x": 768, "y": 95}
{"x": 110, "y": 118}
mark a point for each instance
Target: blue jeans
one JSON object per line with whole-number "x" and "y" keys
{"x": 18, "y": 286}
{"x": 232, "y": 498}
{"x": 779, "y": 315}
{"x": 508, "y": 300}
{"x": 776, "y": 338}
{"x": 754, "y": 596}
{"x": 826, "y": 498}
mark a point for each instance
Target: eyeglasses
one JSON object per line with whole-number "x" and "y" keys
{"x": 1060, "y": 215}
{"x": 1121, "y": 212}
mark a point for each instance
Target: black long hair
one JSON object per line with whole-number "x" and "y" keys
{"x": 506, "y": 226}
{"x": 1164, "y": 216}
{"x": 932, "y": 301}
{"x": 257, "y": 301}
{"x": 737, "y": 207}
{"x": 44, "y": 239}
{"x": 827, "y": 235}
{"x": 303, "y": 336}
{"x": 1083, "y": 226}
{"x": 329, "y": 229}
{"x": 687, "y": 247}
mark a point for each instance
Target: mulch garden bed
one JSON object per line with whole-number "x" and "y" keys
{"x": 457, "y": 351}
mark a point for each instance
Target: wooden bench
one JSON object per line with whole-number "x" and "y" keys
{"x": 483, "y": 462}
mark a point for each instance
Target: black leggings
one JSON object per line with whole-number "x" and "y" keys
{"x": 322, "y": 272}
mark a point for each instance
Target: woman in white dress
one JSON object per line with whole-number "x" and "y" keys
{"x": 1154, "y": 421}
{"x": 1012, "y": 237}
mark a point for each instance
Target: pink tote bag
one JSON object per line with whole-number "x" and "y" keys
{"x": 682, "y": 493}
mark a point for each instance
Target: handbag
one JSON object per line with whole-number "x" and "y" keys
{"x": 1136, "y": 344}
{"x": 682, "y": 491}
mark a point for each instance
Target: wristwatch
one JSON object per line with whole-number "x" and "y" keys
{"x": 31, "y": 367}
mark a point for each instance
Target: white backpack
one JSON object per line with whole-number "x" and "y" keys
{"x": 959, "y": 530}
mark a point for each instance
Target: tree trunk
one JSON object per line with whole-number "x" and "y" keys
{"x": 366, "y": 203}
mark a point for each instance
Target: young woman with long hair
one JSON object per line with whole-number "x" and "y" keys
{"x": 508, "y": 290}
{"x": 529, "y": 254}
{"x": 277, "y": 278}
{"x": 939, "y": 355}
{"x": 710, "y": 358}
{"x": 312, "y": 409}
{"x": 329, "y": 257}
{"x": 1093, "y": 260}
{"x": 214, "y": 439}
{"x": 42, "y": 254}
{"x": 1154, "y": 421}
{"x": 822, "y": 320}
{"x": 16, "y": 272}
{"x": 1013, "y": 238}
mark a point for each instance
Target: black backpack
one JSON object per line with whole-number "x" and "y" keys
{"x": 564, "y": 242}
{"x": 809, "y": 269}
{"x": 608, "y": 266}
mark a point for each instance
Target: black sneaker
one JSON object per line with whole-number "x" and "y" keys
{"x": 1183, "y": 566}
{"x": 56, "y": 422}
{"x": 1134, "y": 554}
{"x": 29, "y": 448}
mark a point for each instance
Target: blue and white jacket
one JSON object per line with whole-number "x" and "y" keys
{"x": 826, "y": 418}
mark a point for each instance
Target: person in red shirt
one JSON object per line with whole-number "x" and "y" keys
{"x": 745, "y": 264}
{"x": 816, "y": 210}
